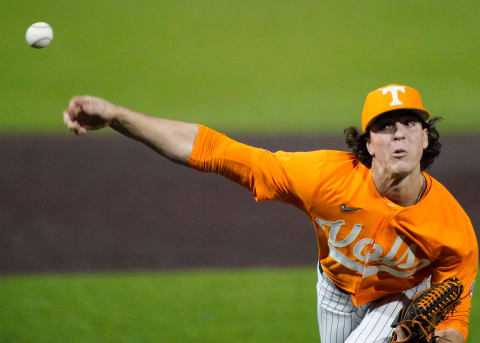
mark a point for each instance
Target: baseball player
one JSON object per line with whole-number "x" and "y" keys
{"x": 385, "y": 228}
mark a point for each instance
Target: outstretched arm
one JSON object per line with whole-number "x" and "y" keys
{"x": 172, "y": 139}
{"x": 269, "y": 176}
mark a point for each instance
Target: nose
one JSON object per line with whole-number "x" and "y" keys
{"x": 399, "y": 130}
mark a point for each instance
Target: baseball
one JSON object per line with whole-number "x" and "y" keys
{"x": 39, "y": 35}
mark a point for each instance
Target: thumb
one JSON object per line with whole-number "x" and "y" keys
{"x": 87, "y": 104}
{"x": 75, "y": 106}
{"x": 400, "y": 333}
{"x": 94, "y": 106}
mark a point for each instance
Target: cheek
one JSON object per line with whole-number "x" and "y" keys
{"x": 420, "y": 151}
{"x": 425, "y": 139}
{"x": 374, "y": 147}
{"x": 370, "y": 148}
{"x": 422, "y": 143}
{"x": 378, "y": 149}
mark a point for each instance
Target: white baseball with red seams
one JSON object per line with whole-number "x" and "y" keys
{"x": 39, "y": 35}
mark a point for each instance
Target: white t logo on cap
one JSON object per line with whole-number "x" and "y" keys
{"x": 393, "y": 90}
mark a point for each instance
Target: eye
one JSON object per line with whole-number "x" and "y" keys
{"x": 387, "y": 126}
{"x": 408, "y": 122}
{"x": 384, "y": 126}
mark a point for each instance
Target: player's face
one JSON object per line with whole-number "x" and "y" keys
{"x": 396, "y": 142}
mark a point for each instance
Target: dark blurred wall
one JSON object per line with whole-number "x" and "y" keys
{"x": 106, "y": 203}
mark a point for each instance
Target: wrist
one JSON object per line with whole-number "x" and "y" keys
{"x": 124, "y": 121}
{"x": 119, "y": 116}
{"x": 118, "y": 113}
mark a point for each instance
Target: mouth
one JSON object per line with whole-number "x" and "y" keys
{"x": 399, "y": 153}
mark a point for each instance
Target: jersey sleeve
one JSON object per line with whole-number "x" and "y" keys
{"x": 463, "y": 264}
{"x": 282, "y": 176}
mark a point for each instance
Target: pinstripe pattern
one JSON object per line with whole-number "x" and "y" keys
{"x": 339, "y": 320}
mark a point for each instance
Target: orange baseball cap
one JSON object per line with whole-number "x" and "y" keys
{"x": 389, "y": 98}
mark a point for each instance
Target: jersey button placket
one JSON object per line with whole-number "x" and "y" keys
{"x": 391, "y": 212}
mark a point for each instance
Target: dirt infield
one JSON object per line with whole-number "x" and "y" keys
{"x": 106, "y": 203}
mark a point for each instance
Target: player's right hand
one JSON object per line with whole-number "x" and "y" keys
{"x": 88, "y": 113}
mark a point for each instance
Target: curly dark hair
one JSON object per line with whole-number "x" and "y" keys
{"x": 357, "y": 141}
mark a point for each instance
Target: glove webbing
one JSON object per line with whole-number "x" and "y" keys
{"x": 427, "y": 309}
{"x": 428, "y": 333}
{"x": 435, "y": 303}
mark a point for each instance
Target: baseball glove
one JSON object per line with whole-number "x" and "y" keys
{"x": 421, "y": 315}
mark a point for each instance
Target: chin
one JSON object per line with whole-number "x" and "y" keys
{"x": 402, "y": 168}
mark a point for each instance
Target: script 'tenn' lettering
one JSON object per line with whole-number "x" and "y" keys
{"x": 393, "y": 90}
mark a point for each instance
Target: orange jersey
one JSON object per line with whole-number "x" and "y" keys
{"x": 367, "y": 245}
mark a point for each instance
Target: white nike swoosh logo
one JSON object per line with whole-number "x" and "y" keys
{"x": 348, "y": 209}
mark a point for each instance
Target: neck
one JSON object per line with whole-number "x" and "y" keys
{"x": 404, "y": 190}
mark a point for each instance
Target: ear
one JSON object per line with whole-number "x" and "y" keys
{"x": 370, "y": 149}
{"x": 425, "y": 138}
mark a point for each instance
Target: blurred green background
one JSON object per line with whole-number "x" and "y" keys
{"x": 257, "y": 66}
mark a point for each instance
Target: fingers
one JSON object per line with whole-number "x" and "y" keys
{"x": 90, "y": 105}
{"x": 77, "y": 106}
{"x": 88, "y": 113}
{"x": 400, "y": 334}
{"x": 73, "y": 125}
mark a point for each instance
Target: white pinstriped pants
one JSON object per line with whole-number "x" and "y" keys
{"x": 339, "y": 320}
